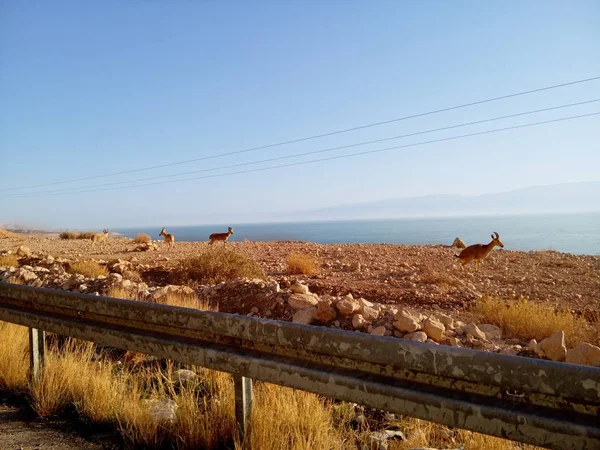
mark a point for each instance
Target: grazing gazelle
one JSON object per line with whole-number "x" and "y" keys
{"x": 220, "y": 236}
{"x": 477, "y": 252}
{"x": 100, "y": 237}
{"x": 169, "y": 238}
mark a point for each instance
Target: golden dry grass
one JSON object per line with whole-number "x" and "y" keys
{"x": 86, "y": 235}
{"x": 9, "y": 234}
{"x": 142, "y": 238}
{"x": 77, "y": 378}
{"x": 215, "y": 265}
{"x": 90, "y": 269}
{"x": 9, "y": 260}
{"x": 301, "y": 264}
{"x": 525, "y": 319}
{"x": 69, "y": 235}
{"x": 172, "y": 298}
{"x": 13, "y": 357}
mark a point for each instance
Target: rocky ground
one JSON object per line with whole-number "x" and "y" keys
{"x": 412, "y": 292}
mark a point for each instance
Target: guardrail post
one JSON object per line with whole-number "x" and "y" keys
{"x": 37, "y": 351}
{"x": 243, "y": 404}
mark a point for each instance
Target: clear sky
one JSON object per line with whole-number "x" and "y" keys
{"x": 92, "y": 88}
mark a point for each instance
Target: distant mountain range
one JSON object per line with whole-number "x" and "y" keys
{"x": 569, "y": 197}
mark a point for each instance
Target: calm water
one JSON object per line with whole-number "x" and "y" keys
{"x": 571, "y": 233}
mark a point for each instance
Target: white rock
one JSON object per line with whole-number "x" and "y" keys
{"x": 584, "y": 354}
{"x": 473, "y": 330}
{"x": 405, "y": 322}
{"x": 347, "y": 306}
{"x": 445, "y": 319}
{"x": 417, "y": 336}
{"x": 554, "y": 347}
{"x": 304, "y": 316}
{"x": 492, "y": 332}
{"x": 358, "y": 322}
{"x": 379, "y": 331}
{"x": 369, "y": 313}
{"x": 302, "y": 301}
{"x": 162, "y": 411}
{"x": 299, "y": 288}
{"x": 434, "y": 329}
{"x": 184, "y": 377}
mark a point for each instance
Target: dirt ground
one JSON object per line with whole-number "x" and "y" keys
{"x": 419, "y": 276}
{"x": 20, "y": 431}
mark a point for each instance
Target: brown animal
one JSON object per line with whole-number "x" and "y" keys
{"x": 169, "y": 238}
{"x": 220, "y": 236}
{"x": 100, "y": 237}
{"x": 478, "y": 252}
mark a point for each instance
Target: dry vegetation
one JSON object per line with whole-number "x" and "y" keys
{"x": 214, "y": 266}
{"x": 142, "y": 238}
{"x": 90, "y": 269}
{"x": 67, "y": 235}
{"x": 9, "y": 235}
{"x": 9, "y": 260}
{"x": 300, "y": 264}
{"x": 172, "y": 298}
{"x": 76, "y": 378}
{"x": 525, "y": 319}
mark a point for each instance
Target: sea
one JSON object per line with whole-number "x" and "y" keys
{"x": 577, "y": 233}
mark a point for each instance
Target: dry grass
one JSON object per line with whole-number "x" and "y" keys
{"x": 78, "y": 378}
{"x": 8, "y": 234}
{"x": 524, "y": 319}
{"x": 142, "y": 238}
{"x": 300, "y": 264}
{"x": 69, "y": 235}
{"x": 132, "y": 275}
{"x": 215, "y": 265}
{"x": 291, "y": 419}
{"x": 172, "y": 298}
{"x": 89, "y": 269}
{"x": 9, "y": 260}
{"x": 13, "y": 357}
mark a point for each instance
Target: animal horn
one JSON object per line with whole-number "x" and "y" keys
{"x": 497, "y": 235}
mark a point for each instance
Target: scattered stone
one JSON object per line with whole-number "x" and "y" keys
{"x": 434, "y": 329}
{"x": 369, "y": 313}
{"x": 162, "y": 411}
{"x": 23, "y": 251}
{"x": 27, "y": 275}
{"x": 417, "y": 336}
{"x": 358, "y": 322}
{"x": 473, "y": 330}
{"x": 584, "y": 354}
{"x": 325, "y": 312}
{"x": 405, "y": 322}
{"x": 378, "y": 440}
{"x": 445, "y": 319}
{"x": 347, "y": 306}
{"x": 379, "y": 331}
{"x": 299, "y": 288}
{"x": 302, "y": 301}
{"x": 454, "y": 342}
{"x": 184, "y": 377}
{"x": 458, "y": 243}
{"x": 492, "y": 332}
{"x": 304, "y": 316}
{"x": 554, "y": 347}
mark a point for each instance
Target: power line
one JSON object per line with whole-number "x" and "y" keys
{"x": 339, "y": 156}
{"x": 317, "y": 136}
{"x": 296, "y": 155}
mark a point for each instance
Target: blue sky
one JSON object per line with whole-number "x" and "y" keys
{"x": 99, "y": 87}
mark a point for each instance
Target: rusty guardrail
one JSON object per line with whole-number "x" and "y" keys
{"x": 554, "y": 405}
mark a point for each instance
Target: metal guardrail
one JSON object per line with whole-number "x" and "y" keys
{"x": 553, "y": 405}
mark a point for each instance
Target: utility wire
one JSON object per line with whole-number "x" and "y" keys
{"x": 341, "y": 156}
{"x": 317, "y": 136}
{"x": 296, "y": 155}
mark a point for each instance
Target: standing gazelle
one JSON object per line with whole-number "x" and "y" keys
{"x": 220, "y": 236}
{"x": 477, "y": 252}
{"x": 169, "y": 238}
{"x": 100, "y": 237}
